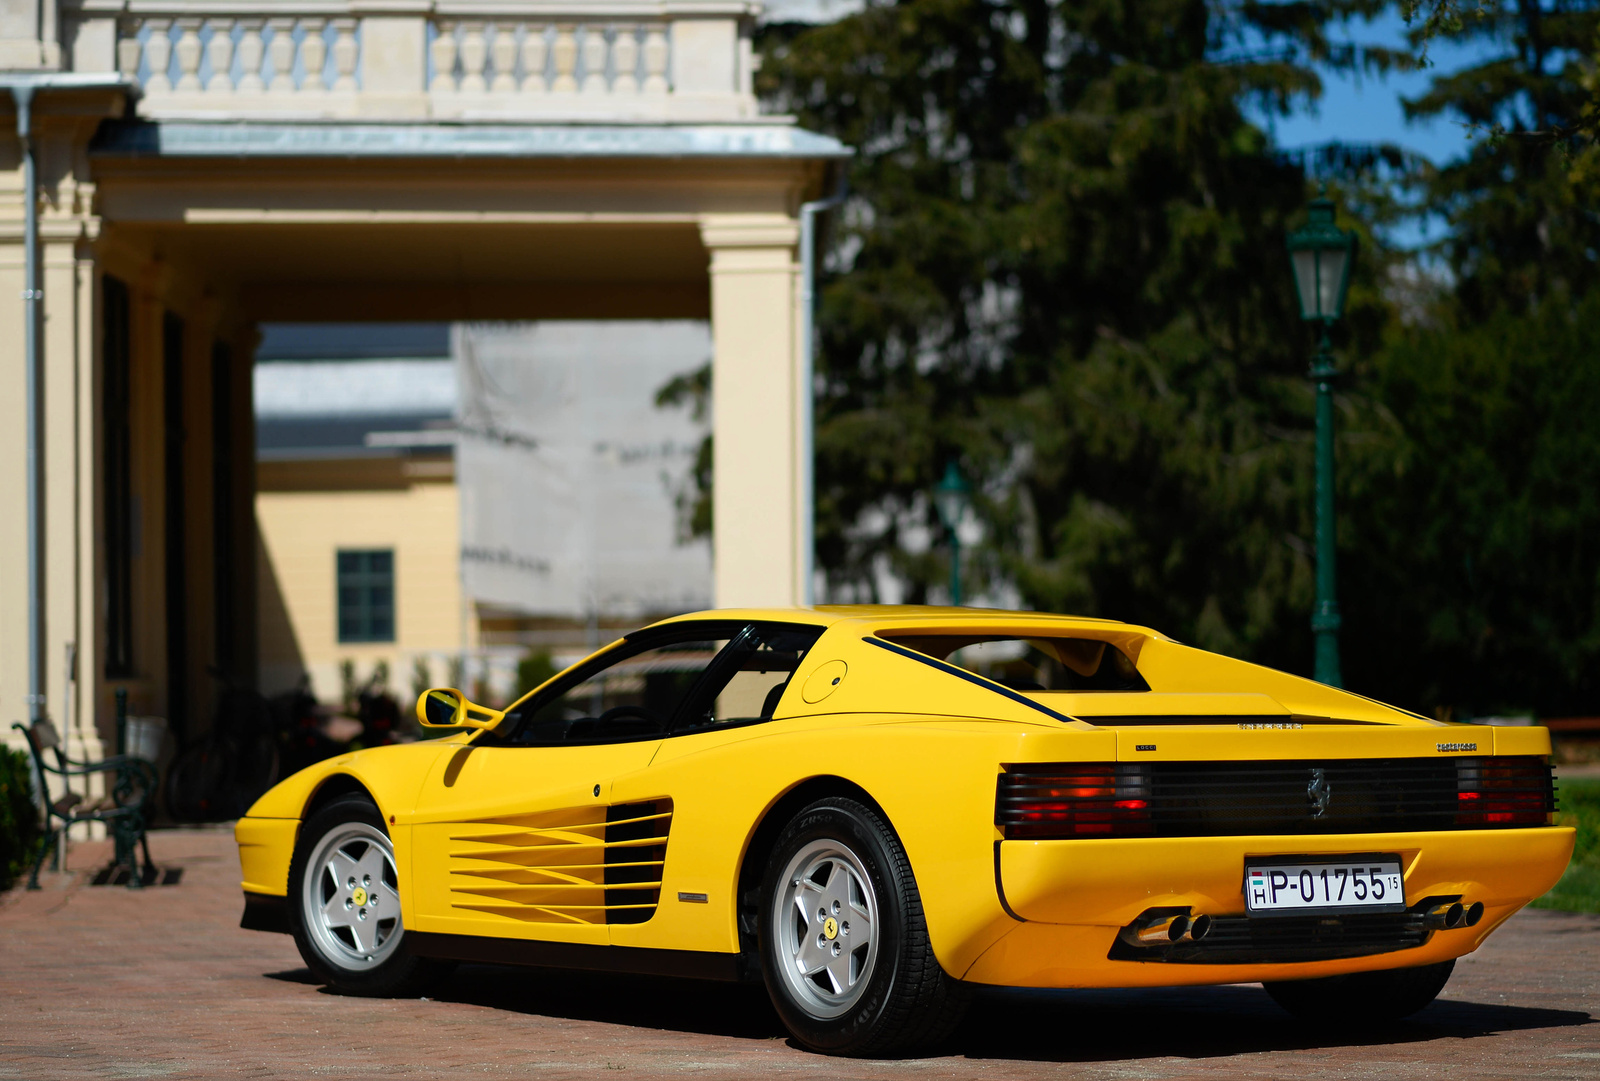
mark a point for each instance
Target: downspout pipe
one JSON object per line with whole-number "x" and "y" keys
{"x": 808, "y": 441}
{"x": 23, "y": 87}
{"x": 31, "y": 301}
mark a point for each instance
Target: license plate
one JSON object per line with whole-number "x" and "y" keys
{"x": 1350, "y": 884}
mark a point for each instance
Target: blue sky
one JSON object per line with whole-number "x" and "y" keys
{"x": 1366, "y": 108}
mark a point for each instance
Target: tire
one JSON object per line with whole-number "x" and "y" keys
{"x": 1363, "y": 997}
{"x": 859, "y": 977}
{"x": 356, "y": 947}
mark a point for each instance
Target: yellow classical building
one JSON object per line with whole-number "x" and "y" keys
{"x": 357, "y": 507}
{"x": 435, "y": 503}
{"x": 195, "y": 168}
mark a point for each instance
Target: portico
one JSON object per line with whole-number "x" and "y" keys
{"x": 485, "y": 187}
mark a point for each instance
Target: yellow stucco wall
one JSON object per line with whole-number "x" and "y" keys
{"x": 302, "y": 530}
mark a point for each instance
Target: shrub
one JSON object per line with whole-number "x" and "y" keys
{"x": 1579, "y": 888}
{"x": 19, "y": 816}
{"x": 534, "y": 668}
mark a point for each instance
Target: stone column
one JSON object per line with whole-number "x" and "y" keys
{"x": 68, "y": 427}
{"x": 64, "y": 122}
{"x": 754, "y": 323}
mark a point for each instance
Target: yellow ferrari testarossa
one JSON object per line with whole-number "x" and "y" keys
{"x": 873, "y": 809}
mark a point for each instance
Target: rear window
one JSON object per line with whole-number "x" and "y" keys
{"x": 1031, "y": 664}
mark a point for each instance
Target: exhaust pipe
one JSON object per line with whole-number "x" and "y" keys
{"x": 1474, "y": 914}
{"x": 1447, "y": 916}
{"x": 1166, "y": 930}
{"x": 1162, "y": 930}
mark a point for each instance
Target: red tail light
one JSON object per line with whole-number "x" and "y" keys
{"x": 1504, "y": 791}
{"x": 1093, "y": 799}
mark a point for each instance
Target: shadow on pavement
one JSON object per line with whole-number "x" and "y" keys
{"x": 1052, "y": 1026}
{"x": 712, "y": 1009}
{"x": 1209, "y": 1022}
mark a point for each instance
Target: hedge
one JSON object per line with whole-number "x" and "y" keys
{"x": 19, "y": 817}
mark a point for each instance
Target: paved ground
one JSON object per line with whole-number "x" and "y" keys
{"x": 101, "y": 982}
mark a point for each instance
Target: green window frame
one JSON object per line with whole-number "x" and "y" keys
{"x": 365, "y": 594}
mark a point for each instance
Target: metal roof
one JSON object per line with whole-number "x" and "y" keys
{"x": 366, "y": 139}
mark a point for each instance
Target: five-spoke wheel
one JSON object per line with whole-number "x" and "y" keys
{"x": 344, "y": 895}
{"x": 352, "y": 896}
{"x": 825, "y": 916}
{"x": 844, "y": 946}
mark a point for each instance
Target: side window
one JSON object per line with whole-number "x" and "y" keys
{"x": 750, "y": 678}
{"x": 1032, "y": 664}
{"x": 632, "y": 693}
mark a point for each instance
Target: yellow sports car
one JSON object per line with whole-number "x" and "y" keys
{"x": 873, "y": 809}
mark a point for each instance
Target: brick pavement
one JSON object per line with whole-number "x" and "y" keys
{"x": 103, "y": 983}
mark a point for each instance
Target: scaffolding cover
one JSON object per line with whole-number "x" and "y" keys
{"x": 569, "y": 471}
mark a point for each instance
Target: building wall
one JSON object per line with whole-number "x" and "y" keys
{"x": 300, "y": 531}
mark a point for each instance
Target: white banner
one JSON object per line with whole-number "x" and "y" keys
{"x": 568, "y": 470}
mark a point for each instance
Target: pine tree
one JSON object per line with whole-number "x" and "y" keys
{"x": 1520, "y": 203}
{"x": 1063, "y": 267}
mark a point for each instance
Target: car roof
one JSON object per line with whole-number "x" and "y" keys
{"x": 1169, "y": 666}
{"x": 888, "y": 614}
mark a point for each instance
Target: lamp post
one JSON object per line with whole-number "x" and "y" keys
{"x": 950, "y": 498}
{"x": 1321, "y": 253}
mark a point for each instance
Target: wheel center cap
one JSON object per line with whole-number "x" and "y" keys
{"x": 830, "y": 928}
{"x": 360, "y": 897}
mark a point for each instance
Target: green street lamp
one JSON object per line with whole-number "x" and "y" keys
{"x": 1321, "y": 254}
{"x": 950, "y": 498}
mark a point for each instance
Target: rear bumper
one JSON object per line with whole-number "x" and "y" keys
{"x": 1072, "y": 898}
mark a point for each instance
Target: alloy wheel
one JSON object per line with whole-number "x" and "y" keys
{"x": 350, "y": 897}
{"x": 825, "y": 919}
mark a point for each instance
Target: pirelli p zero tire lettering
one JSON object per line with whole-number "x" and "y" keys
{"x": 344, "y": 904}
{"x": 843, "y": 944}
{"x": 1370, "y": 997}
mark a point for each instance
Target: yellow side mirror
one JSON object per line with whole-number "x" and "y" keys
{"x": 446, "y": 707}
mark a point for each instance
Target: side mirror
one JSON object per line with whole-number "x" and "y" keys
{"x": 446, "y": 707}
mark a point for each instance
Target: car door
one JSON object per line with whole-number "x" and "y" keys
{"x": 699, "y": 768}
{"x": 517, "y": 834}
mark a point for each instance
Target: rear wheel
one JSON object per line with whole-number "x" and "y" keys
{"x": 344, "y": 894}
{"x": 1363, "y": 996}
{"x": 844, "y": 946}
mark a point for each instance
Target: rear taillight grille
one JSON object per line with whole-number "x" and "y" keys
{"x": 1074, "y": 800}
{"x": 1503, "y": 791}
{"x": 1188, "y": 799}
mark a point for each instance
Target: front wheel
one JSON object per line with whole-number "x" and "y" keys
{"x": 844, "y": 946}
{"x": 1371, "y": 997}
{"x": 344, "y": 894}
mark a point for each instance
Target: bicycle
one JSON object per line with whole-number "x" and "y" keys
{"x": 219, "y": 776}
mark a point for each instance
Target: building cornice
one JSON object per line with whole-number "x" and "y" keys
{"x": 324, "y": 139}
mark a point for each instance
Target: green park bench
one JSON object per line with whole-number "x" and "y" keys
{"x": 130, "y": 784}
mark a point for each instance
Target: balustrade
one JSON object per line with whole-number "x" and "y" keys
{"x": 220, "y": 56}
{"x": 608, "y": 59}
{"x": 493, "y": 56}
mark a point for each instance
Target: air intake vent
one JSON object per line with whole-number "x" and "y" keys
{"x": 588, "y": 865}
